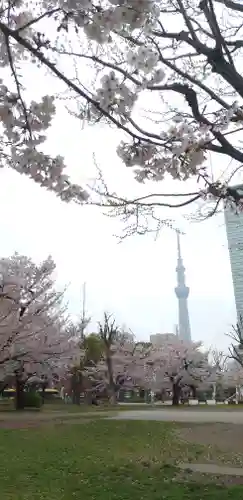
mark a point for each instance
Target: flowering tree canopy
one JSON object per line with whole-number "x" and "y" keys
{"x": 125, "y": 369}
{"x": 120, "y": 362}
{"x": 34, "y": 333}
{"x": 183, "y": 53}
{"x": 125, "y": 363}
{"x": 178, "y": 364}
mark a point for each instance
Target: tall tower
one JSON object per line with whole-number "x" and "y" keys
{"x": 182, "y": 292}
{"x": 234, "y": 231}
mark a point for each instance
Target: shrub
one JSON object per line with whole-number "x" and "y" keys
{"x": 202, "y": 397}
{"x": 32, "y": 399}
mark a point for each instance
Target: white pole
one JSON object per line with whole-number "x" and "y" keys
{"x": 83, "y": 310}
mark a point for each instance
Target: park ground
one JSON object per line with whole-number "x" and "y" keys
{"x": 73, "y": 454}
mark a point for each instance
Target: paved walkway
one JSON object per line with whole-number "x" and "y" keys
{"x": 232, "y": 417}
{"x": 51, "y": 415}
{"x": 167, "y": 415}
{"x": 216, "y": 470}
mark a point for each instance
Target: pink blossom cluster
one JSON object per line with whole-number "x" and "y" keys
{"x": 151, "y": 367}
{"x": 34, "y": 333}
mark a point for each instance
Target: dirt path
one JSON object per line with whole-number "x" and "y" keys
{"x": 227, "y": 437}
{"x": 25, "y": 420}
{"x": 177, "y": 415}
{"x": 224, "y": 444}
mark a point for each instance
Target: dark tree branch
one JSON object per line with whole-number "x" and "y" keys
{"x": 18, "y": 87}
{"x": 208, "y": 9}
{"x": 187, "y": 20}
{"x": 231, "y": 5}
{"x": 118, "y": 201}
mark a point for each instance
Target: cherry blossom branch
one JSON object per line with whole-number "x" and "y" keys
{"x": 191, "y": 98}
{"x": 118, "y": 201}
{"x": 96, "y": 59}
{"x": 33, "y": 21}
{"x": 213, "y": 23}
{"x": 11, "y": 63}
{"x": 15, "y": 35}
{"x": 189, "y": 94}
{"x": 202, "y": 45}
{"x": 213, "y": 56}
{"x": 183, "y": 74}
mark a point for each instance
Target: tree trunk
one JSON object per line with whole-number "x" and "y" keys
{"x": 112, "y": 398}
{"x": 112, "y": 389}
{"x": 194, "y": 391}
{"x": 121, "y": 396}
{"x": 19, "y": 394}
{"x": 76, "y": 387}
{"x": 44, "y": 386}
{"x": 176, "y": 392}
{"x": 162, "y": 396}
{"x": 76, "y": 394}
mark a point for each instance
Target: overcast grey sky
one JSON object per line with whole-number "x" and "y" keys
{"x": 135, "y": 279}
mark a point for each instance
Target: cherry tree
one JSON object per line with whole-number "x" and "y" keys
{"x": 232, "y": 378}
{"x": 183, "y": 56}
{"x": 34, "y": 333}
{"x": 236, "y": 347}
{"x": 218, "y": 361}
{"x": 125, "y": 363}
{"x": 91, "y": 347}
{"x": 121, "y": 363}
{"x": 177, "y": 365}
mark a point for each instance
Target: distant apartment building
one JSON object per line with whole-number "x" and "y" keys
{"x": 234, "y": 231}
{"x": 129, "y": 337}
{"x": 158, "y": 339}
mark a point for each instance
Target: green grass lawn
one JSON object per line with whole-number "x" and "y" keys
{"x": 91, "y": 408}
{"x": 57, "y": 406}
{"x": 100, "y": 460}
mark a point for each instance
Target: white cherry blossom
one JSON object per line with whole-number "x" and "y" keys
{"x": 33, "y": 327}
{"x": 140, "y": 41}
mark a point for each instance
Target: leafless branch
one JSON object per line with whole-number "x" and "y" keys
{"x": 236, "y": 349}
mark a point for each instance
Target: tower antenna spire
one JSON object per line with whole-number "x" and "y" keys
{"x": 178, "y": 244}
{"x": 182, "y": 293}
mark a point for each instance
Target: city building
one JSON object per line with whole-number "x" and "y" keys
{"x": 158, "y": 339}
{"x": 234, "y": 231}
{"x": 129, "y": 337}
{"x": 182, "y": 292}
